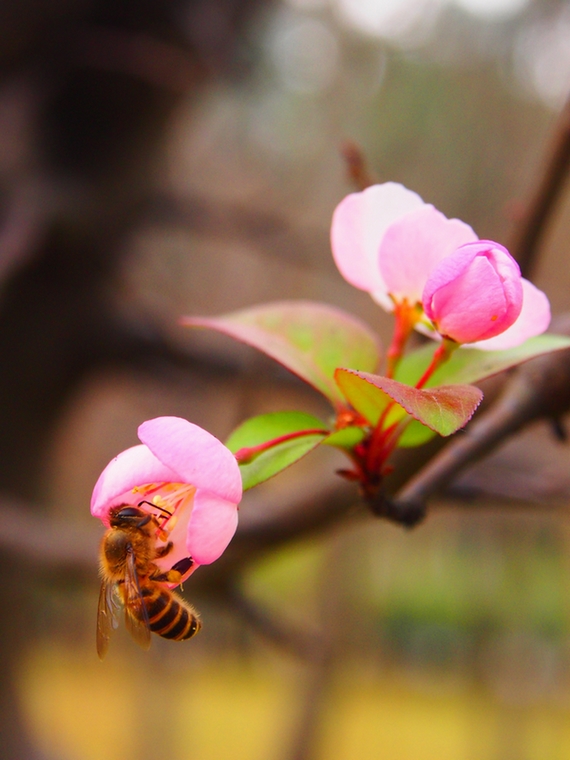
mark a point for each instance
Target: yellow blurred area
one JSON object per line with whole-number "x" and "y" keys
{"x": 81, "y": 709}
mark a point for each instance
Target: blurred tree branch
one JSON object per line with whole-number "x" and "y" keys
{"x": 531, "y": 227}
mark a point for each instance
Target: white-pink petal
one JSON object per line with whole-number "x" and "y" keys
{"x": 533, "y": 320}
{"x": 358, "y": 226}
{"x": 196, "y": 455}
{"x": 213, "y": 524}
{"x": 413, "y": 245}
{"x": 134, "y": 467}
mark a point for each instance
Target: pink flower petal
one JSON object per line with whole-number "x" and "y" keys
{"x": 475, "y": 293}
{"x": 533, "y": 320}
{"x": 358, "y": 226}
{"x": 213, "y": 524}
{"x": 134, "y": 467}
{"x": 178, "y": 536}
{"x": 413, "y": 245}
{"x": 194, "y": 454}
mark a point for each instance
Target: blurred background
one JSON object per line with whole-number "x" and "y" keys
{"x": 184, "y": 157}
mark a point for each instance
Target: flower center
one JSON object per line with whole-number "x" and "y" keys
{"x": 166, "y": 502}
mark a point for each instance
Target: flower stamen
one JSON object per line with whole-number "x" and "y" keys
{"x": 168, "y": 498}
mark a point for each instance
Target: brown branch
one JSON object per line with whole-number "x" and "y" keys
{"x": 46, "y": 542}
{"x": 538, "y": 389}
{"x": 56, "y": 544}
{"x": 527, "y": 237}
{"x": 143, "y": 56}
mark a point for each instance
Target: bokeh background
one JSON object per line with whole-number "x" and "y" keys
{"x": 185, "y": 157}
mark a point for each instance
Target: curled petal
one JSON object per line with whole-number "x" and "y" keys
{"x": 213, "y": 524}
{"x": 413, "y": 245}
{"x": 194, "y": 454}
{"x": 533, "y": 320}
{"x": 358, "y": 226}
{"x": 475, "y": 293}
{"x": 129, "y": 469}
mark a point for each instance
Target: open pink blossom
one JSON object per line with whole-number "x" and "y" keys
{"x": 386, "y": 241}
{"x": 185, "y": 477}
{"x": 475, "y": 293}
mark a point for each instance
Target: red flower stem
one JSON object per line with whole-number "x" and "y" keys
{"x": 384, "y": 441}
{"x": 394, "y": 433}
{"x": 375, "y": 454}
{"x": 248, "y": 453}
{"x": 406, "y": 317}
{"x": 441, "y": 355}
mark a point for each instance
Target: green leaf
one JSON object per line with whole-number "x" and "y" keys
{"x": 310, "y": 339}
{"x": 469, "y": 365}
{"x": 414, "y": 435}
{"x": 345, "y": 439}
{"x": 272, "y": 442}
{"x": 444, "y": 409}
{"x": 366, "y": 398}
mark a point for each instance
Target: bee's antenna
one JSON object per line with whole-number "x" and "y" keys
{"x": 155, "y": 506}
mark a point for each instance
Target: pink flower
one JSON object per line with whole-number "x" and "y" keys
{"x": 184, "y": 476}
{"x": 386, "y": 241}
{"x": 475, "y": 293}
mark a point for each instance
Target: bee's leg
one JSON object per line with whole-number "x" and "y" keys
{"x": 176, "y": 572}
{"x": 162, "y": 551}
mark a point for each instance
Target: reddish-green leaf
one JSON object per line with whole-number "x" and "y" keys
{"x": 269, "y": 443}
{"x": 414, "y": 435}
{"x": 444, "y": 409}
{"x": 310, "y": 339}
{"x": 366, "y": 398}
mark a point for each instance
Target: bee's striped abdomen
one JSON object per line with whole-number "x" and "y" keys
{"x": 168, "y": 616}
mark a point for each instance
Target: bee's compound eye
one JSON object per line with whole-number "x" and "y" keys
{"x": 183, "y": 565}
{"x": 130, "y": 512}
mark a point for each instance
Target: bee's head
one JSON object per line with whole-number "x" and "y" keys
{"x": 128, "y": 517}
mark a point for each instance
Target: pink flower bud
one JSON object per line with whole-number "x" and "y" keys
{"x": 533, "y": 320}
{"x": 475, "y": 293}
{"x": 183, "y": 476}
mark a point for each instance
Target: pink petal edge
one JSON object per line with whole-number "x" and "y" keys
{"x": 195, "y": 454}
{"x": 414, "y": 245}
{"x": 132, "y": 467}
{"x": 212, "y": 526}
{"x": 358, "y": 226}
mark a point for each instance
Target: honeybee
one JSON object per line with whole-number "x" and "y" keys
{"x": 131, "y": 577}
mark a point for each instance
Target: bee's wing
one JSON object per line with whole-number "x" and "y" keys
{"x": 107, "y": 618}
{"x": 136, "y": 616}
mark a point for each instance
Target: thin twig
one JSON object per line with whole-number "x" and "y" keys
{"x": 527, "y": 237}
{"x": 44, "y": 540}
{"x": 357, "y": 169}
